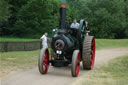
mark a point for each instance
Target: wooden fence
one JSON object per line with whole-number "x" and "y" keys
{"x": 19, "y": 46}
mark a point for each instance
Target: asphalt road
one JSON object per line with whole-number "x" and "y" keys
{"x": 60, "y": 76}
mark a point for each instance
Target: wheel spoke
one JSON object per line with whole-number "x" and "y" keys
{"x": 78, "y": 64}
{"x": 76, "y": 58}
{"x": 92, "y": 53}
{"x": 46, "y": 62}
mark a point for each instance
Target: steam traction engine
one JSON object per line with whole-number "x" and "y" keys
{"x": 68, "y": 46}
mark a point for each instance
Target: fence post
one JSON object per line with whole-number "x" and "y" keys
{"x": 24, "y": 46}
{"x": 6, "y": 46}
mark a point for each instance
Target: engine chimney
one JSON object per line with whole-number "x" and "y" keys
{"x": 62, "y": 24}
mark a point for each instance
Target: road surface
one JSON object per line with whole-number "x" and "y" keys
{"x": 60, "y": 76}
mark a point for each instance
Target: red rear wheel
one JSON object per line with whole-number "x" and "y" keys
{"x": 92, "y": 53}
{"x": 88, "y": 54}
{"x": 43, "y": 62}
{"x": 75, "y": 63}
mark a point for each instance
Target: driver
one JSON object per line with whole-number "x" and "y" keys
{"x": 75, "y": 24}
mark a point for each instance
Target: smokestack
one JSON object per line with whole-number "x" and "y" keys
{"x": 62, "y": 15}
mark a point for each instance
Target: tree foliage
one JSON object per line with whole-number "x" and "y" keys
{"x": 107, "y": 18}
{"x": 4, "y": 14}
{"x": 31, "y": 18}
{"x": 36, "y": 17}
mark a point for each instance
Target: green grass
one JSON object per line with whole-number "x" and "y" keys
{"x": 111, "y": 43}
{"x": 17, "y": 61}
{"x": 114, "y": 73}
{"x": 16, "y": 39}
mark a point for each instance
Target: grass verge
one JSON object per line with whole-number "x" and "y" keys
{"x": 16, "y": 39}
{"x": 11, "y": 62}
{"x": 113, "y": 73}
{"x": 111, "y": 43}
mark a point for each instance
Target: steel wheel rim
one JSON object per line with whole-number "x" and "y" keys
{"x": 92, "y": 53}
{"x": 78, "y": 64}
{"x": 46, "y": 61}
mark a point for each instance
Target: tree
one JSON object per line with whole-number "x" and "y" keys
{"x": 4, "y": 15}
{"x": 74, "y": 7}
{"x": 14, "y": 8}
{"x": 36, "y": 17}
{"x": 4, "y": 12}
{"x": 126, "y": 14}
{"x": 106, "y": 18}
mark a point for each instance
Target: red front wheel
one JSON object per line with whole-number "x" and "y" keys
{"x": 43, "y": 62}
{"x": 75, "y": 63}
